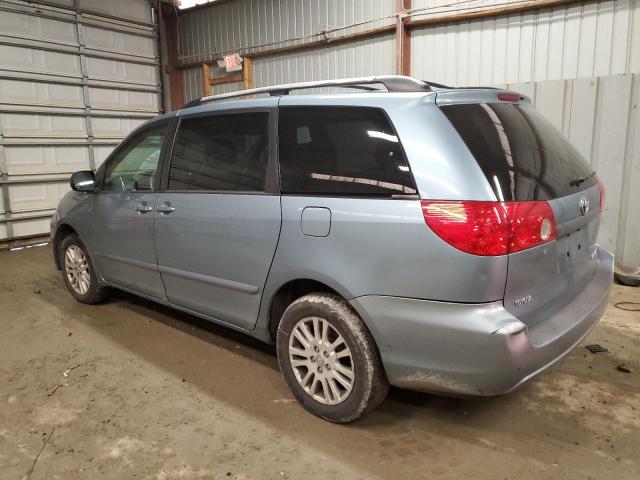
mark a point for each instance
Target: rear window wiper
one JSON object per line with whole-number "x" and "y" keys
{"x": 579, "y": 180}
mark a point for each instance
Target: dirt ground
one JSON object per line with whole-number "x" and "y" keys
{"x": 151, "y": 393}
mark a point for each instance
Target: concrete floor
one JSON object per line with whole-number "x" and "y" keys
{"x": 157, "y": 394}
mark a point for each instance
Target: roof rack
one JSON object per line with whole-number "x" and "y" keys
{"x": 393, "y": 83}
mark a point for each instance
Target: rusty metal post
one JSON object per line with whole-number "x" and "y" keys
{"x": 403, "y": 39}
{"x": 176, "y": 81}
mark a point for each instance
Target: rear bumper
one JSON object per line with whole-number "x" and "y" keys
{"x": 477, "y": 349}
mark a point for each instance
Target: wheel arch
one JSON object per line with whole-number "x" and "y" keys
{"x": 287, "y": 293}
{"x": 62, "y": 231}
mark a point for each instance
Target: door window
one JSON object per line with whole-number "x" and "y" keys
{"x": 341, "y": 151}
{"x": 221, "y": 153}
{"x": 134, "y": 167}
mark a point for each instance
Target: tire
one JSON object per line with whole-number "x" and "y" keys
{"x": 322, "y": 366}
{"x": 83, "y": 293}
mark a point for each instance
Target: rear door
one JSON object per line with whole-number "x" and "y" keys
{"x": 217, "y": 218}
{"x": 524, "y": 158}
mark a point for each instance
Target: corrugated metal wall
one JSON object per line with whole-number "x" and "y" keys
{"x": 579, "y": 40}
{"x": 256, "y": 25}
{"x": 193, "y": 87}
{"x": 579, "y": 63}
{"x": 600, "y": 116}
{"x": 365, "y": 57}
{"x": 75, "y": 78}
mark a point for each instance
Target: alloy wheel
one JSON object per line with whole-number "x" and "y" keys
{"x": 321, "y": 360}
{"x": 76, "y": 267}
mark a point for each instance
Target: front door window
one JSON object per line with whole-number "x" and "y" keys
{"x": 134, "y": 168}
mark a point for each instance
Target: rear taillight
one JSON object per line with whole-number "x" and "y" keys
{"x": 530, "y": 224}
{"x": 491, "y": 228}
{"x": 473, "y": 227}
{"x": 601, "y": 188}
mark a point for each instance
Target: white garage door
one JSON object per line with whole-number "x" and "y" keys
{"x": 75, "y": 77}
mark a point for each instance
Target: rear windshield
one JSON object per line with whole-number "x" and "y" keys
{"x": 522, "y": 155}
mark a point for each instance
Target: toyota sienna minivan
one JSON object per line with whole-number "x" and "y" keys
{"x": 403, "y": 233}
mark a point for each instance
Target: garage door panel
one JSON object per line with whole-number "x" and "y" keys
{"x": 64, "y": 107}
{"x": 43, "y": 125}
{"x": 26, "y": 228}
{"x": 29, "y": 197}
{"x": 105, "y": 69}
{"x": 101, "y": 152}
{"x": 62, "y": 3}
{"x": 114, "y": 127}
{"x": 39, "y": 61}
{"x": 25, "y": 25}
{"x": 31, "y": 159}
{"x": 118, "y": 41}
{"x": 138, "y": 11}
{"x": 18, "y": 91}
{"x": 123, "y": 99}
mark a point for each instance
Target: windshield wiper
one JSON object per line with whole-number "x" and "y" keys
{"x": 579, "y": 180}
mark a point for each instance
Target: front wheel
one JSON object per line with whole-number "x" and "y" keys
{"x": 329, "y": 359}
{"x": 77, "y": 271}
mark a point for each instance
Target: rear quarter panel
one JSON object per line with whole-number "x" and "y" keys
{"x": 380, "y": 247}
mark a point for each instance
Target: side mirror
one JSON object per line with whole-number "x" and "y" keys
{"x": 83, "y": 181}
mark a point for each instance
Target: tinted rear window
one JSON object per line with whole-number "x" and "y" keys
{"x": 341, "y": 151}
{"x": 522, "y": 155}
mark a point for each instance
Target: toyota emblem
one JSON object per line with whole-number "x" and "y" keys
{"x": 583, "y": 205}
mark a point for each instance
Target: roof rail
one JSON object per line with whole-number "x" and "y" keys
{"x": 393, "y": 83}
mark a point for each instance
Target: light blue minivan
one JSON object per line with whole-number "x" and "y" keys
{"x": 404, "y": 233}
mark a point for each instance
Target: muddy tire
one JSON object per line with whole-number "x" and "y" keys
{"x": 78, "y": 273}
{"x": 329, "y": 359}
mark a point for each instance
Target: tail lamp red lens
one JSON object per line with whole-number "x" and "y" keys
{"x": 530, "y": 224}
{"x": 491, "y": 228}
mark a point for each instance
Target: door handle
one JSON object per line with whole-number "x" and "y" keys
{"x": 165, "y": 208}
{"x": 144, "y": 208}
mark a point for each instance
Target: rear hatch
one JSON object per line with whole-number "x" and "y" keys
{"x": 524, "y": 159}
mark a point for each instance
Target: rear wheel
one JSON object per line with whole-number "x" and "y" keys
{"x": 77, "y": 271}
{"x": 329, "y": 359}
